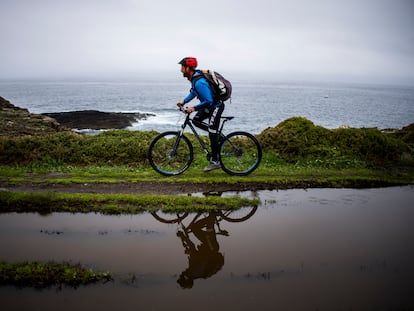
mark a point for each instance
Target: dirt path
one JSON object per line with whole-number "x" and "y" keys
{"x": 152, "y": 187}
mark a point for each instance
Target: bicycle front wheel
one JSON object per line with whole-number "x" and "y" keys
{"x": 170, "y": 154}
{"x": 169, "y": 218}
{"x": 239, "y": 215}
{"x": 240, "y": 153}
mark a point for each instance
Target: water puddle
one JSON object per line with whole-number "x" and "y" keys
{"x": 315, "y": 249}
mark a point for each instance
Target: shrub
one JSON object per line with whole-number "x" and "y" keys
{"x": 369, "y": 144}
{"x": 112, "y": 147}
{"x": 24, "y": 150}
{"x": 298, "y": 139}
{"x": 295, "y": 138}
{"x": 117, "y": 147}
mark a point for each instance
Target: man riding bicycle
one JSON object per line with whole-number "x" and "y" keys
{"x": 209, "y": 107}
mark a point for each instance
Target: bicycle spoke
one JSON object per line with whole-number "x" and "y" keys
{"x": 170, "y": 156}
{"x": 240, "y": 153}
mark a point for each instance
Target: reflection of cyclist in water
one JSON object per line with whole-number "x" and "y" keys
{"x": 205, "y": 259}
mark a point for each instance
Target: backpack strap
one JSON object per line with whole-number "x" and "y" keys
{"x": 203, "y": 74}
{"x": 198, "y": 74}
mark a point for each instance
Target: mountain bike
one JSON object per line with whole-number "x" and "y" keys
{"x": 171, "y": 153}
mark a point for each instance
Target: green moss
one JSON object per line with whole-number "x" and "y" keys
{"x": 43, "y": 275}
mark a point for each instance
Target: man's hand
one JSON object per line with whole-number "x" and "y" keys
{"x": 180, "y": 104}
{"x": 190, "y": 109}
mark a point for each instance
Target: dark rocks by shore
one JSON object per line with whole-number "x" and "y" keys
{"x": 15, "y": 121}
{"x": 96, "y": 120}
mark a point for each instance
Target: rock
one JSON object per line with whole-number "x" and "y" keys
{"x": 15, "y": 121}
{"x": 4, "y": 103}
{"x": 96, "y": 120}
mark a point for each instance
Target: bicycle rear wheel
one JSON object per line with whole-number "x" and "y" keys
{"x": 170, "y": 154}
{"x": 240, "y": 153}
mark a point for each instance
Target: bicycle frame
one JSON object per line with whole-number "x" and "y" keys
{"x": 189, "y": 121}
{"x": 187, "y": 228}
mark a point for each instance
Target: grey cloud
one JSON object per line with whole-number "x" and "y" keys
{"x": 320, "y": 37}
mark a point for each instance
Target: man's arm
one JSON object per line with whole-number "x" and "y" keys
{"x": 205, "y": 95}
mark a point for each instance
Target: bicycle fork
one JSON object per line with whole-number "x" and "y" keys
{"x": 200, "y": 140}
{"x": 177, "y": 141}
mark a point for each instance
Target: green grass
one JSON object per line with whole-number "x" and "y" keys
{"x": 113, "y": 204}
{"x": 295, "y": 152}
{"x": 293, "y": 140}
{"x": 279, "y": 174}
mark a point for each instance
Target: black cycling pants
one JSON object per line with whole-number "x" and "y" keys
{"x": 212, "y": 127}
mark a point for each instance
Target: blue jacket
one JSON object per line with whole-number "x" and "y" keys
{"x": 201, "y": 89}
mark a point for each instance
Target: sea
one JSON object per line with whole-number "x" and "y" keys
{"x": 256, "y": 105}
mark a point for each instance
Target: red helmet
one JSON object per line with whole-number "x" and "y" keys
{"x": 189, "y": 62}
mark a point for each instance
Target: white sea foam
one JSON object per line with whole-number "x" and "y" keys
{"x": 160, "y": 121}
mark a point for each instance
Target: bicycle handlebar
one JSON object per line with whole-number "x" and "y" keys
{"x": 181, "y": 108}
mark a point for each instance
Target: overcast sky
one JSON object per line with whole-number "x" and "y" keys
{"x": 360, "y": 40}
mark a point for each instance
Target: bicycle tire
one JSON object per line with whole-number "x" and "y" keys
{"x": 238, "y": 215}
{"x": 240, "y": 153}
{"x": 169, "y": 218}
{"x": 167, "y": 161}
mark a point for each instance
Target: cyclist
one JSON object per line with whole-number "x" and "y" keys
{"x": 208, "y": 107}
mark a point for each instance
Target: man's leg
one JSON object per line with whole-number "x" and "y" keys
{"x": 200, "y": 116}
{"x": 214, "y": 123}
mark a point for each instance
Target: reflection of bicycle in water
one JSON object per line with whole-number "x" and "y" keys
{"x": 204, "y": 259}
